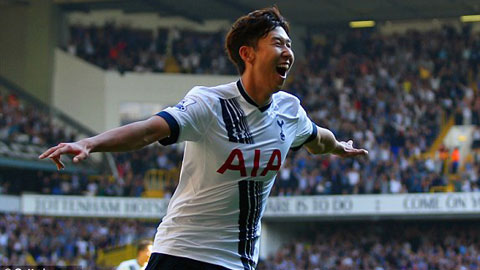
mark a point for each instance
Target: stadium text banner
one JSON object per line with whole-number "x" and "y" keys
{"x": 374, "y": 205}
{"x": 83, "y": 206}
{"x": 9, "y": 204}
{"x": 286, "y": 207}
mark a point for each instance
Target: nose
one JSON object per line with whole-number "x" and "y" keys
{"x": 287, "y": 53}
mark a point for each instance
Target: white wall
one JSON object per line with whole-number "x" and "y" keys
{"x": 153, "y": 21}
{"x": 391, "y": 27}
{"x": 93, "y": 96}
{"x": 164, "y": 89}
{"x": 275, "y": 235}
{"x": 27, "y": 39}
{"x": 9, "y": 204}
{"x": 144, "y": 20}
{"x": 79, "y": 90}
{"x": 460, "y": 136}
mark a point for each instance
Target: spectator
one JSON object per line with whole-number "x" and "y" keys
{"x": 455, "y": 159}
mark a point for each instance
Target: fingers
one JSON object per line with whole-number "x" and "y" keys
{"x": 350, "y": 151}
{"x": 356, "y": 152}
{"x": 79, "y": 157}
{"x": 362, "y": 152}
{"x": 58, "y": 163}
{"x": 56, "y": 152}
{"x": 55, "y": 158}
{"x": 50, "y": 151}
{"x": 64, "y": 149}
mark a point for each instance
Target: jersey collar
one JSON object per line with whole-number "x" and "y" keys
{"x": 249, "y": 99}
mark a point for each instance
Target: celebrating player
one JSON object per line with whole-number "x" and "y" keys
{"x": 237, "y": 137}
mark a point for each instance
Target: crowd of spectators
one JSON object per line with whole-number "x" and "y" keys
{"x": 123, "y": 48}
{"x": 381, "y": 246}
{"x": 24, "y": 123}
{"x": 201, "y": 53}
{"x": 35, "y": 240}
{"x": 390, "y": 94}
{"x": 447, "y": 245}
{"x": 134, "y": 165}
{"x": 131, "y": 168}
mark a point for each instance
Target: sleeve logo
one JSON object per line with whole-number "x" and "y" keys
{"x": 280, "y": 124}
{"x": 182, "y": 105}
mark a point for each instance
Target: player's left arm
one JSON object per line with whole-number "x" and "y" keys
{"x": 326, "y": 143}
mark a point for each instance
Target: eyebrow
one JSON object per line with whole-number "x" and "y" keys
{"x": 281, "y": 39}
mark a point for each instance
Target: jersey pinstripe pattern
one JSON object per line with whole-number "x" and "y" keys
{"x": 235, "y": 122}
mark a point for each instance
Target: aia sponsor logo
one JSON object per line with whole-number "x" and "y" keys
{"x": 236, "y": 162}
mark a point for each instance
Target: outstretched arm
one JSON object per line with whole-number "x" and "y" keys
{"x": 326, "y": 143}
{"x": 129, "y": 137}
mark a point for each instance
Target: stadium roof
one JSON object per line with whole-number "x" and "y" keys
{"x": 304, "y": 12}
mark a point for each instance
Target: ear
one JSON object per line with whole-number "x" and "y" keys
{"x": 247, "y": 54}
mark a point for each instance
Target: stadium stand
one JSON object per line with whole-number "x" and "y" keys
{"x": 28, "y": 127}
{"x": 395, "y": 95}
{"x": 431, "y": 83}
{"x": 349, "y": 83}
{"x": 340, "y": 245}
{"x": 33, "y": 240}
{"x": 124, "y": 49}
{"x": 26, "y": 124}
{"x": 384, "y": 245}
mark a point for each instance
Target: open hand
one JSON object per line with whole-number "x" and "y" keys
{"x": 78, "y": 149}
{"x": 346, "y": 149}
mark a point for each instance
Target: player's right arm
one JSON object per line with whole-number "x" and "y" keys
{"x": 125, "y": 138}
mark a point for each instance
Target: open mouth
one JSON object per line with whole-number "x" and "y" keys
{"x": 282, "y": 70}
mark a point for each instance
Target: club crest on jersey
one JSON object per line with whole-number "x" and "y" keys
{"x": 182, "y": 105}
{"x": 280, "y": 124}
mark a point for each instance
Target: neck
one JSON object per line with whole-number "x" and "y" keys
{"x": 141, "y": 261}
{"x": 259, "y": 93}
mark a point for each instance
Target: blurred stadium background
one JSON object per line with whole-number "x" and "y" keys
{"x": 403, "y": 83}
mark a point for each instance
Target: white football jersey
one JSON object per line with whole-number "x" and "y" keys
{"x": 129, "y": 265}
{"x": 233, "y": 151}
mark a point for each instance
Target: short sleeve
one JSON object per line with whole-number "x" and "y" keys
{"x": 188, "y": 119}
{"x": 306, "y": 130}
{"x": 124, "y": 266}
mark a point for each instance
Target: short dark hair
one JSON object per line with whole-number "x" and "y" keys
{"x": 248, "y": 29}
{"x": 143, "y": 244}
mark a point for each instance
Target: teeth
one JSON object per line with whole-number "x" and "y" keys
{"x": 283, "y": 66}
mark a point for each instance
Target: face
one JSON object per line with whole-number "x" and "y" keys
{"x": 145, "y": 254}
{"x": 273, "y": 58}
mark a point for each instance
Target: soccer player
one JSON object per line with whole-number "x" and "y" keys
{"x": 237, "y": 137}
{"x": 144, "y": 249}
